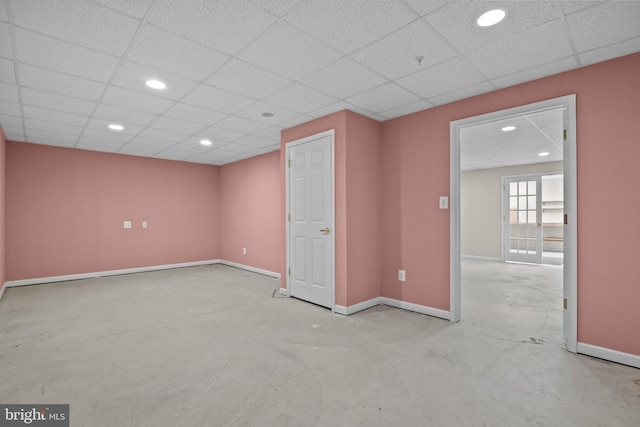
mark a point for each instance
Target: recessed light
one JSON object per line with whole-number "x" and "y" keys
{"x": 508, "y": 128}
{"x": 491, "y": 17}
{"x": 205, "y": 142}
{"x": 155, "y": 84}
{"x": 543, "y": 154}
{"x": 115, "y": 126}
{"x": 267, "y": 114}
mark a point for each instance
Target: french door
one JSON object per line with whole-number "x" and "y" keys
{"x": 522, "y": 219}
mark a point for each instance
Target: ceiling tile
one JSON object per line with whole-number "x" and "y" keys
{"x": 383, "y": 98}
{"x": 180, "y": 126}
{"x": 338, "y": 106}
{"x": 10, "y": 108}
{"x": 407, "y": 109}
{"x": 217, "y": 99}
{"x": 349, "y": 25}
{"x": 240, "y": 124}
{"x": 225, "y": 25}
{"x": 272, "y": 133}
{"x": 458, "y": 94}
{"x": 544, "y": 44}
{"x": 194, "y": 146}
{"x": 45, "y": 137}
{"x": 219, "y": 134}
{"x": 105, "y": 135}
{"x": 138, "y": 101}
{"x": 53, "y": 101}
{"x": 9, "y": 92}
{"x": 605, "y": 24}
{"x": 3, "y": 11}
{"x": 5, "y": 41}
{"x": 54, "y": 116}
{"x": 395, "y": 56}
{"x": 103, "y": 124}
{"x": 277, "y": 7}
{"x": 167, "y": 52}
{"x": 124, "y": 115}
{"x": 58, "y": 55}
{"x": 297, "y": 97}
{"x": 52, "y": 128}
{"x": 81, "y": 23}
{"x": 255, "y": 141}
{"x": 234, "y": 148}
{"x": 442, "y": 78}
{"x": 457, "y": 21}
{"x": 13, "y": 133}
{"x": 626, "y": 47}
{"x": 133, "y": 76}
{"x": 248, "y": 80}
{"x": 7, "y": 72}
{"x": 60, "y": 83}
{"x": 533, "y": 73}
{"x": 13, "y": 121}
{"x": 174, "y": 155}
{"x": 422, "y": 7}
{"x": 343, "y": 78}
{"x": 136, "y": 8}
{"x": 288, "y": 51}
{"x": 294, "y": 122}
{"x": 148, "y": 144}
{"x": 194, "y": 114}
{"x": 255, "y": 111}
{"x": 573, "y": 6}
{"x": 96, "y": 145}
{"x": 163, "y": 135}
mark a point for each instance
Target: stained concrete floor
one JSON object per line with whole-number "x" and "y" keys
{"x": 214, "y": 346}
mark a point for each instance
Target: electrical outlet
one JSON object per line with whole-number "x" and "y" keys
{"x": 144, "y": 224}
{"x": 127, "y": 224}
{"x": 402, "y": 275}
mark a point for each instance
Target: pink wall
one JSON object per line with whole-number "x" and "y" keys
{"x": 250, "y": 211}
{"x": 3, "y": 163}
{"x": 416, "y": 173}
{"x": 66, "y": 207}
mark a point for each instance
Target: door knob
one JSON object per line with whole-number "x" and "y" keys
{"x": 325, "y": 230}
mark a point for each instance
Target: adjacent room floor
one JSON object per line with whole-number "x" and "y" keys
{"x": 217, "y": 346}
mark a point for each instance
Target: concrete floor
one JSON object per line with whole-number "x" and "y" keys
{"x": 213, "y": 346}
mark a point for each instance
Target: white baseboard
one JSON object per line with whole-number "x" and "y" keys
{"x": 608, "y": 354}
{"x": 2, "y": 291}
{"x": 285, "y": 292}
{"x": 249, "y": 268}
{"x": 423, "y": 309}
{"x": 340, "y": 309}
{"x": 481, "y": 258}
{"x": 68, "y": 277}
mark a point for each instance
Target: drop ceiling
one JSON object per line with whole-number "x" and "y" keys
{"x": 69, "y": 68}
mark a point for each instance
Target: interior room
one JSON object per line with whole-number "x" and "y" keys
{"x": 259, "y": 213}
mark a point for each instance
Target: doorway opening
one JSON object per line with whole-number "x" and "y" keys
{"x": 492, "y": 150}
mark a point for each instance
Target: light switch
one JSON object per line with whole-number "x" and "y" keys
{"x": 127, "y": 224}
{"x": 402, "y": 275}
{"x": 444, "y": 202}
{"x": 144, "y": 224}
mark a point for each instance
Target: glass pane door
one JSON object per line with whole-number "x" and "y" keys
{"x": 522, "y": 219}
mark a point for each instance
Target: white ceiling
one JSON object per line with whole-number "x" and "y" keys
{"x": 68, "y": 68}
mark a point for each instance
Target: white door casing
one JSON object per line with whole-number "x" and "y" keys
{"x": 310, "y": 219}
{"x": 570, "y": 267}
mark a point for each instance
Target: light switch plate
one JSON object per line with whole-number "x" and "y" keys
{"x": 127, "y": 224}
{"x": 444, "y": 202}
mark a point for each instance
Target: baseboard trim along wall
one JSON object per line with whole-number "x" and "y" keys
{"x": 430, "y": 311}
{"x": 53, "y": 279}
{"x": 2, "y": 291}
{"x": 285, "y": 292}
{"x": 608, "y": 354}
{"x": 249, "y": 268}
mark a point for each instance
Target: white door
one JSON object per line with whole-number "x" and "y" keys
{"x": 310, "y": 219}
{"x": 522, "y": 219}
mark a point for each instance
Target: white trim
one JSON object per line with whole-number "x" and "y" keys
{"x": 482, "y": 258}
{"x": 608, "y": 354}
{"x": 568, "y": 103}
{"x": 284, "y": 292}
{"x": 2, "y": 291}
{"x": 40, "y": 280}
{"x": 340, "y": 309}
{"x": 423, "y": 309}
{"x": 249, "y": 268}
{"x": 332, "y": 134}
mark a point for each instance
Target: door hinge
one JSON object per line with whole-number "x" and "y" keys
{"x": 289, "y": 217}
{"x": 565, "y": 303}
{"x": 566, "y": 219}
{"x": 289, "y": 272}
{"x": 564, "y": 134}
{"x": 289, "y": 162}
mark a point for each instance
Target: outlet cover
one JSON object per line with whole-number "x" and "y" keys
{"x": 127, "y": 224}
{"x": 402, "y": 275}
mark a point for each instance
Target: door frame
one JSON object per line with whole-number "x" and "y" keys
{"x": 570, "y": 268}
{"x": 288, "y": 146}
